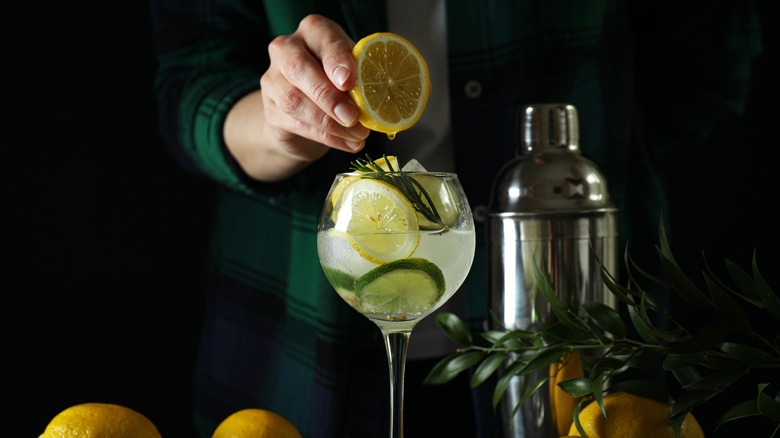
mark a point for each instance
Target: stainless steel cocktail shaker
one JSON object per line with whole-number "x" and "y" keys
{"x": 549, "y": 205}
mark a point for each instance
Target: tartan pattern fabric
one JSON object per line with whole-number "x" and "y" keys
{"x": 645, "y": 79}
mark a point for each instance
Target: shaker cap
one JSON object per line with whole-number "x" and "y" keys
{"x": 548, "y": 127}
{"x": 549, "y": 174}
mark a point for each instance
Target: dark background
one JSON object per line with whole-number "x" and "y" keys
{"x": 103, "y": 278}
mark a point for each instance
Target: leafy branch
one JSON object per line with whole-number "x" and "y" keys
{"x": 411, "y": 188}
{"x": 704, "y": 361}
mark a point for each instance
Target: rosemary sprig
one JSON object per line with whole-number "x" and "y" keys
{"x": 413, "y": 190}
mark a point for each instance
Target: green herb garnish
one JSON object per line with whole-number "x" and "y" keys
{"x": 413, "y": 190}
{"x": 705, "y": 362}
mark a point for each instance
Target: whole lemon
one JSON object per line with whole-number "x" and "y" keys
{"x": 630, "y": 415}
{"x": 561, "y": 402}
{"x": 100, "y": 420}
{"x": 255, "y": 423}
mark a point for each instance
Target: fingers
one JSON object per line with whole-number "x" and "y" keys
{"x": 304, "y": 89}
{"x": 317, "y": 60}
{"x": 333, "y": 47}
{"x": 289, "y": 108}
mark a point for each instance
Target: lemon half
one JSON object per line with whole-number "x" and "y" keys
{"x": 393, "y": 83}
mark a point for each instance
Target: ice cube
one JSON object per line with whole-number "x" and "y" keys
{"x": 336, "y": 252}
{"x": 413, "y": 166}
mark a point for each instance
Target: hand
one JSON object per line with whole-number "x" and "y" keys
{"x": 306, "y": 110}
{"x": 304, "y": 87}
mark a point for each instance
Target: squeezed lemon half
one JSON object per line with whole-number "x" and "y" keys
{"x": 393, "y": 83}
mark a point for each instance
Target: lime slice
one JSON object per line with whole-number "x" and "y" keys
{"x": 445, "y": 199}
{"x": 340, "y": 280}
{"x": 344, "y": 285}
{"x": 379, "y": 220}
{"x": 405, "y": 286}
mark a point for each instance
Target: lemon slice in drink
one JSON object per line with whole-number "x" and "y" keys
{"x": 405, "y": 286}
{"x": 388, "y": 163}
{"x": 379, "y": 221}
{"x": 393, "y": 83}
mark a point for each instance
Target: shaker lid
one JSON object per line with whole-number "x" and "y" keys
{"x": 548, "y": 126}
{"x": 549, "y": 173}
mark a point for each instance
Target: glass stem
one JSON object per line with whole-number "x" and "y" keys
{"x": 396, "y": 344}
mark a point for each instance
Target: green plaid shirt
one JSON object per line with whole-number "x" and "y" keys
{"x": 646, "y": 80}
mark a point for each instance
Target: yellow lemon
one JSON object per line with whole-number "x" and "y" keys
{"x": 255, "y": 423}
{"x": 630, "y": 415}
{"x": 393, "y": 83}
{"x": 100, "y": 420}
{"x": 387, "y": 163}
{"x": 378, "y": 220}
{"x": 561, "y": 402}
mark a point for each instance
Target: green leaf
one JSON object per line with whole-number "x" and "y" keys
{"x": 675, "y": 361}
{"x": 749, "y": 354}
{"x": 644, "y": 274}
{"x": 577, "y": 386}
{"x": 543, "y": 359}
{"x": 676, "y": 424}
{"x": 766, "y": 405}
{"x": 647, "y": 359}
{"x": 744, "y": 282}
{"x": 720, "y": 362}
{"x": 718, "y": 380}
{"x": 528, "y": 393}
{"x": 606, "y": 317}
{"x": 498, "y": 337}
{"x": 557, "y": 333}
{"x": 689, "y": 400}
{"x": 745, "y": 285}
{"x": 768, "y": 297}
{"x": 577, "y": 425}
{"x": 703, "y": 340}
{"x": 616, "y": 289}
{"x": 747, "y": 408}
{"x": 641, "y": 325}
{"x": 558, "y": 307}
{"x": 597, "y": 387}
{"x": 454, "y": 328}
{"x": 686, "y": 376}
{"x": 612, "y": 363}
{"x": 686, "y": 288}
{"x": 728, "y": 308}
{"x": 503, "y": 382}
{"x": 515, "y": 339}
{"x": 449, "y": 367}
{"x": 487, "y": 368}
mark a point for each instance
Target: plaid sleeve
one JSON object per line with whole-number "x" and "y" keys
{"x": 209, "y": 55}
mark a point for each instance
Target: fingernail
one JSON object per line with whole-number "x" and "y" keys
{"x": 340, "y": 75}
{"x": 346, "y": 113}
{"x": 354, "y": 145}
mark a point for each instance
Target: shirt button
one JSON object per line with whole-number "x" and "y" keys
{"x": 473, "y": 89}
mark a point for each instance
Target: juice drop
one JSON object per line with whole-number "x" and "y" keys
{"x": 391, "y": 135}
